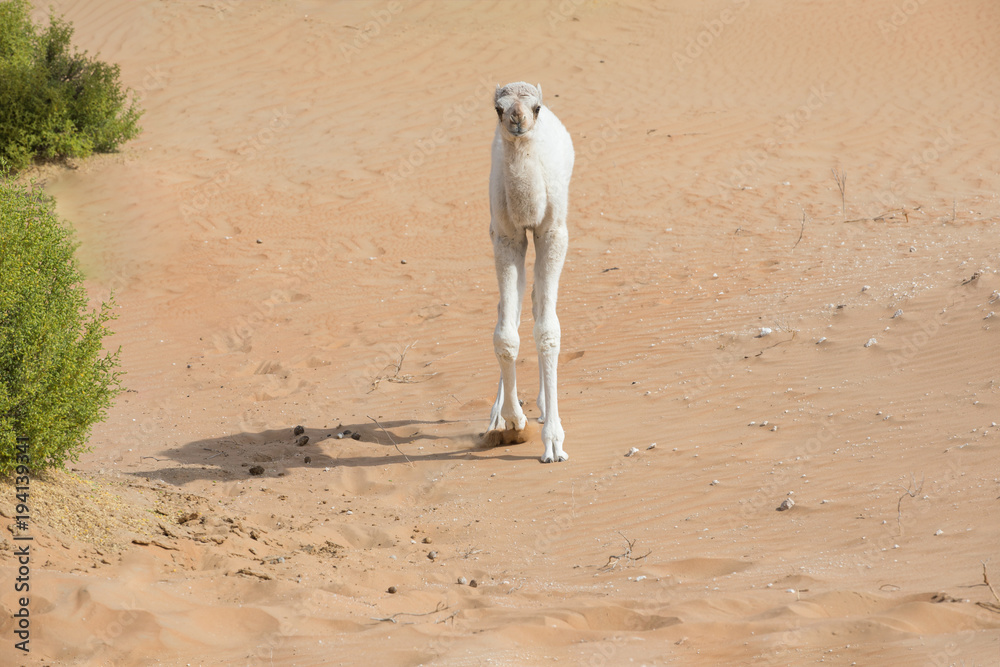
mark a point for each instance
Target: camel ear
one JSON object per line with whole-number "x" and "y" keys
{"x": 539, "y": 87}
{"x": 496, "y": 95}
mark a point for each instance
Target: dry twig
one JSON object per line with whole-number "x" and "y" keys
{"x": 801, "y": 230}
{"x": 441, "y": 606}
{"x": 396, "y": 368}
{"x": 614, "y": 561}
{"x": 390, "y": 439}
{"x": 841, "y": 179}
{"x": 989, "y": 605}
{"x": 907, "y": 492}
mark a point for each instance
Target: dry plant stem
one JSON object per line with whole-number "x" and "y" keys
{"x": 986, "y": 581}
{"x": 908, "y": 491}
{"x": 841, "y": 179}
{"x": 448, "y": 617}
{"x": 802, "y": 229}
{"x": 390, "y": 439}
{"x": 613, "y": 561}
{"x": 396, "y": 368}
{"x": 441, "y": 606}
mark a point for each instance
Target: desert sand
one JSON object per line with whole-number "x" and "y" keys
{"x": 299, "y": 237}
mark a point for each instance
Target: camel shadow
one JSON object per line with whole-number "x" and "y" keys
{"x": 275, "y": 452}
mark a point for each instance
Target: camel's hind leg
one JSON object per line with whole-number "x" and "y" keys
{"x": 550, "y": 253}
{"x": 509, "y": 257}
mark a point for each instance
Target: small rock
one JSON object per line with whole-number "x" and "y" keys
{"x": 302, "y": 441}
{"x": 391, "y": 590}
{"x": 402, "y": 261}
{"x": 714, "y": 482}
{"x": 764, "y": 331}
{"x": 898, "y": 313}
{"x": 259, "y": 241}
{"x": 871, "y": 341}
{"x": 298, "y": 430}
{"x": 355, "y": 436}
{"x": 474, "y": 583}
{"x": 652, "y": 446}
{"x": 631, "y": 451}
{"x": 821, "y": 340}
{"x": 308, "y": 459}
{"x": 939, "y": 532}
{"x": 427, "y": 540}
{"x": 340, "y": 436}
{"x": 865, "y": 288}
{"x": 257, "y": 470}
{"x": 347, "y": 431}
{"x": 432, "y": 555}
{"x": 786, "y": 504}
{"x": 774, "y": 427}
{"x": 463, "y": 581}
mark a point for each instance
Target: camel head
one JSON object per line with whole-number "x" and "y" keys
{"x": 517, "y": 106}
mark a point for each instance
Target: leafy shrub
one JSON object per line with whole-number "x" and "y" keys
{"x": 55, "y": 102}
{"x": 55, "y": 380}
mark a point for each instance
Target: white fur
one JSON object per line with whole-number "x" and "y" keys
{"x": 529, "y": 193}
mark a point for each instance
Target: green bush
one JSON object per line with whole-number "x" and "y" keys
{"x": 55, "y": 102}
{"x": 55, "y": 379}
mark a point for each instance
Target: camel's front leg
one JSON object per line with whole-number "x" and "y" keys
{"x": 509, "y": 256}
{"x": 550, "y": 253}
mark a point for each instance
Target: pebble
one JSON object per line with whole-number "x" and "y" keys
{"x": 392, "y": 590}
{"x": 898, "y": 313}
{"x": 402, "y": 261}
{"x": 871, "y": 341}
{"x": 427, "y": 540}
{"x": 463, "y": 581}
{"x": 298, "y": 430}
{"x": 631, "y": 451}
{"x": 256, "y": 470}
{"x": 764, "y": 331}
{"x": 821, "y": 340}
{"x": 302, "y": 441}
{"x": 356, "y": 436}
{"x": 308, "y": 459}
{"x": 786, "y": 504}
{"x": 432, "y": 555}
{"x": 340, "y": 436}
{"x": 474, "y": 583}
{"x": 652, "y": 446}
{"x": 939, "y": 532}
{"x": 259, "y": 241}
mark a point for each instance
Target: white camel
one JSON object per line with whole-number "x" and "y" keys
{"x": 529, "y": 192}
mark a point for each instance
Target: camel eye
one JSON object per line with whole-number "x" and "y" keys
{"x": 537, "y": 109}
{"x": 499, "y": 112}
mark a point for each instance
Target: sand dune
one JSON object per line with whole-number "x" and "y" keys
{"x": 299, "y": 238}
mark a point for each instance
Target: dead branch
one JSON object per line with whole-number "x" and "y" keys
{"x": 396, "y": 368}
{"x": 986, "y": 580}
{"x": 626, "y": 556}
{"x": 802, "y": 229}
{"x": 441, "y": 606}
{"x": 912, "y": 493}
{"x": 841, "y": 179}
{"x": 390, "y": 439}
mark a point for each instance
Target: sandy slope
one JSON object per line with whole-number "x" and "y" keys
{"x": 295, "y": 154}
